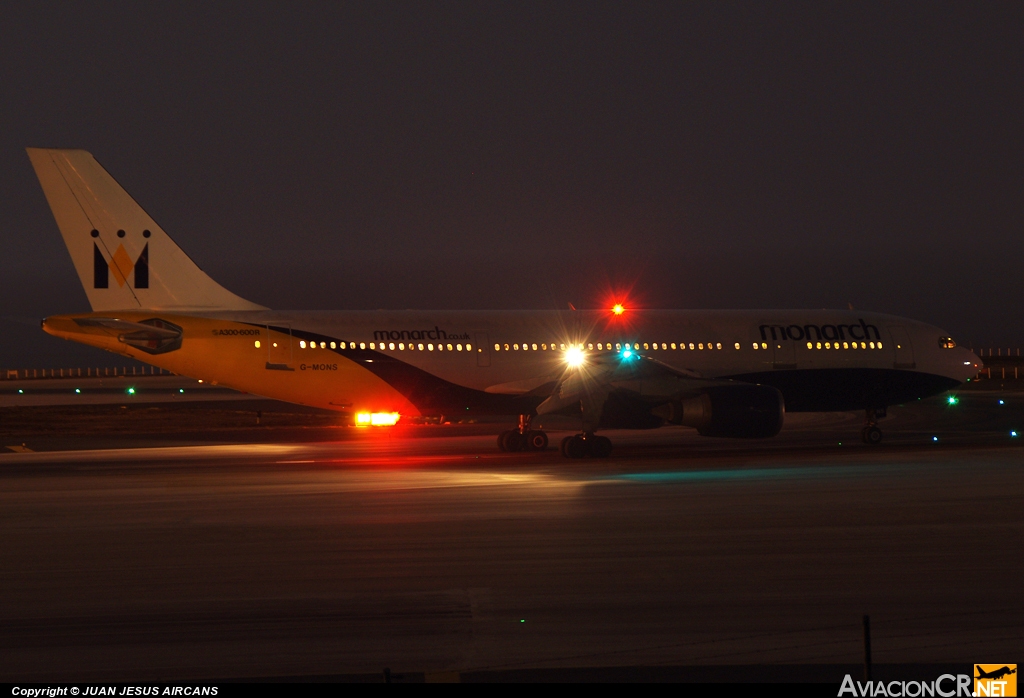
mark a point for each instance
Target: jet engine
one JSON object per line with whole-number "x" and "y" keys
{"x": 738, "y": 411}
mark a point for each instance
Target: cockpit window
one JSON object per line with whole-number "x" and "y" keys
{"x": 947, "y": 343}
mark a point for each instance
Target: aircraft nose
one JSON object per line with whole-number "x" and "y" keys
{"x": 969, "y": 363}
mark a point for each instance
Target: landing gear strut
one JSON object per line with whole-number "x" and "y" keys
{"x": 586, "y": 444}
{"x": 522, "y": 438}
{"x": 871, "y": 434}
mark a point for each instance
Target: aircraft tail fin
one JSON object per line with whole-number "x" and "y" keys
{"x": 124, "y": 259}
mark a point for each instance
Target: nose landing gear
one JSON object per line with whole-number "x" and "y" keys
{"x": 871, "y": 434}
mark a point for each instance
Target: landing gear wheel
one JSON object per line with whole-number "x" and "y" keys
{"x": 501, "y": 440}
{"x": 512, "y": 441}
{"x": 871, "y": 435}
{"x": 600, "y": 446}
{"x": 537, "y": 440}
{"x": 574, "y": 447}
{"x": 563, "y": 447}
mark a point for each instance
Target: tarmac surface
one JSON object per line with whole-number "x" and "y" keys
{"x": 311, "y": 550}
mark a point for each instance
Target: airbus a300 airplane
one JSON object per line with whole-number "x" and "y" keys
{"x": 725, "y": 373}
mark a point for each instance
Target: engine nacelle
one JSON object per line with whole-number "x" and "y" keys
{"x": 737, "y": 411}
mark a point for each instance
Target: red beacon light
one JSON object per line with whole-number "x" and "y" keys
{"x": 617, "y": 309}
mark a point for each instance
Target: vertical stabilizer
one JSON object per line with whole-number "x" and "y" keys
{"x": 123, "y": 258}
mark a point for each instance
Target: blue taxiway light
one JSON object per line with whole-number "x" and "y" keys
{"x": 935, "y": 438}
{"x": 1002, "y": 402}
{"x": 1013, "y": 435}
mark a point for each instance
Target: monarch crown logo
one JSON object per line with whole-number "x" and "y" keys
{"x": 119, "y": 264}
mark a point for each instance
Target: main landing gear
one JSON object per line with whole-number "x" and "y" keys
{"x": 522, "y": 438}
{"x": 586, "y": 444}
{"x": 871, "y": 434}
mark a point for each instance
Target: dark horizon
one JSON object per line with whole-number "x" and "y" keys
{"x": 457, "y": 156}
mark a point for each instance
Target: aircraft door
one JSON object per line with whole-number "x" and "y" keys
{"x": 483, "y": 349}
{"x": 901, "y": 345}
{"x": 279, "y": 348}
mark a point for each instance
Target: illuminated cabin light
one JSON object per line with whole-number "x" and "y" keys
{"x": 737, "y": 345}
{"x": 377, "y": 419}
{"x": 333, "y": 345}
{"x": 878, "y": 345}
{"x": 391, "y": 346}
{"x": 718, "y": 345}
{"x": 618, "y": 309}
{"x": 449, "y": 347}
{"x": 257, "y": 343}
{"x": 575, "y": 357}
{"x": 302, "y": 344}
{"x": 362, "y": 345}
{"x": 469, "y": 347}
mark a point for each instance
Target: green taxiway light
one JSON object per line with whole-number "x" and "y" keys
{"x": 952, "y": 399}
{"x": 130, "y": 391}
{"x": 78, "y": 390}
{"x": 181, "y": 390}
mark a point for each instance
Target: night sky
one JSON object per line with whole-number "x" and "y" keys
{"x": 517, "y": 155}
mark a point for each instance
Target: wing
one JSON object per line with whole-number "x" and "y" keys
{"x": 630, "y": 390}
